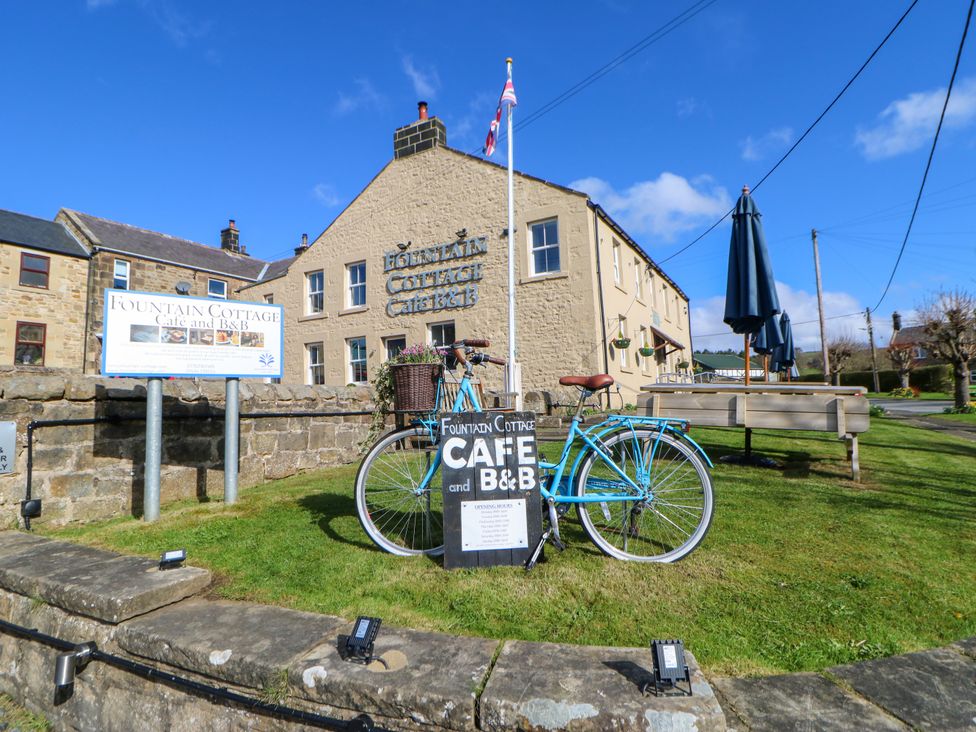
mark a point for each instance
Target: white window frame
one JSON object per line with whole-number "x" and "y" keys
{"x": 390, "y": 339}
{"x": 644, "y": 343}
{"x": 115, "y": 274}
{"x": 653, "y": 288}
{"x": 352, "y": 285}
{"x": 615, "y": 256}
{"x": 545, "y": 246}
{"x": 311, "y": 364}
{"x": 310, "y": 294}
{"x": 622, "y": 326}
{"x": 439, "y": 324}
{"x": 210, "y": 283}
{"x": 269, "y": 299}
{"x": 353, "y": 362}
{"x": 667, "y": 303}
{"x": 637, "y": 280}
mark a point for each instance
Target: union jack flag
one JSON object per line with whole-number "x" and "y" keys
{"x": 508, "y": 97}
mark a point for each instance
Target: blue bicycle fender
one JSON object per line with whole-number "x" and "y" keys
{"x": 698, "y": 448}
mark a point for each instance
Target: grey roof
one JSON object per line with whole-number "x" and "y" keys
{"x": 48, "y": 236}
{"x": 278, "y": 268}
{"x": 910, "y": 336}
{"x": 162, "y": 247}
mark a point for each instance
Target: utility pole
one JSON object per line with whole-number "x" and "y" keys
{"x": 874, "y": 355}
{"x": 823, "y": 324}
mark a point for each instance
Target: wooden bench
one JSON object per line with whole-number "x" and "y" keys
{"x": 843, "y": 410}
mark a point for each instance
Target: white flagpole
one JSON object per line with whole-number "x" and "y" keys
{"x": 512, "y": 385}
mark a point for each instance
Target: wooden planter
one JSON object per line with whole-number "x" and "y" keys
{"x": 415, "y": 386}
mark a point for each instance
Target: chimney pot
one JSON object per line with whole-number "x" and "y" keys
{"x": 422, "y": 109}
{"x": 230, "y": 238}
{"x": 305, "y": 240}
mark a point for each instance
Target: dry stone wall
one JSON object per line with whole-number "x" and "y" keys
{"x": 95, "y": 471}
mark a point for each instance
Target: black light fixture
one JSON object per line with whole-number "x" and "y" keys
{"x": 669, "y": 667}
{"x": 358, "y": 645}
{"x": 172, "y": 559}
{"x": 67, "y": 664}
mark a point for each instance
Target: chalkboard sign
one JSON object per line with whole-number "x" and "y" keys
{"x": 492, "y": 509}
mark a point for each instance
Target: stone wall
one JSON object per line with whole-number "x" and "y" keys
{"x": 88, "y": 472}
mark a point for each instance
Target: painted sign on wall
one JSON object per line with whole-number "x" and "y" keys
{"x": 445, "y": 288}
{"x": 492, "y": 504}
{"x": 148, "y": 334}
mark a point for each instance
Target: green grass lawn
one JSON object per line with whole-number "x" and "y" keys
{"x": 963, "y": 418}
{"x": 802, "y": 568}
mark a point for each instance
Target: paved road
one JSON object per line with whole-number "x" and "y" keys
{"x": 911, "y": 407}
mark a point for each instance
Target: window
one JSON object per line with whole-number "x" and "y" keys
{"x": 616, "y": 263}
{"x": 120, "y": 275}
{"x": 316, "y": 363}
{"x": 650, "y": 278}
{"x": 441, "y": 334}
{"x": 623, "y": 351}
{"x": 217, "y": 289}
{"x": 357, "y": 360}
{"x": 269, "y": 299}
{"x": 545, "y": 247}
{"x": 638, "y": 276}
{"x": 314, "y": 282}
{"x": 30, "y": 343}
{"x": 394, "y": 345}
{"x": 357, "y": 284}
{"x": 34, "y": 270}
{"x": 667, "y": 302}
{"x": 645, "y": 362}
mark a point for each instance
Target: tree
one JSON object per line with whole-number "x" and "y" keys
{"x": 839, "y": 351}
{"x": 903, "y": 359}
{"x": 949, "y": 322}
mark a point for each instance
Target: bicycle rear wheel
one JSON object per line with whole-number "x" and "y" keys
{"x": 399, "y": 511}
{"x": 673, "y": 516}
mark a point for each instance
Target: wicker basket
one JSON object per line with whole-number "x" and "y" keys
{"x": 415, "y": 386}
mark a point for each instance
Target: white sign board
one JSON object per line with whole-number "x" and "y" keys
{"x": 148, "y": 334}
{"x": 487, "y": 525}
{"x": 8, "y": 446}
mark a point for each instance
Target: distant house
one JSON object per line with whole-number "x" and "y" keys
{"x": 43, "y": 279}
{"x": 915, "y": 338}
{"x": 127, "y": 257}
{"x": 726, "y": 364}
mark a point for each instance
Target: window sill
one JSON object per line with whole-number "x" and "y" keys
{"x": 313, "y": 316}
{"x": 353, "y": 311}
{"x": 34, "y": 289}
{"x": 626, "y": 370}
{"x": 544, "y": 276}
{"x": 620, "y": 288}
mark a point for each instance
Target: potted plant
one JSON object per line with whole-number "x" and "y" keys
{"x": 408, "y": 381}
{"x": 621, "y": 341}
{"x": 646, "y": 351}
{"x": 682, "y": 365}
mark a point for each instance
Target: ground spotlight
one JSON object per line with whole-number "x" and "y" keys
{"x": 358, "y": 646}
{"x": 669, "y": 667}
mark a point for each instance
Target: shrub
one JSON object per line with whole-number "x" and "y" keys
{"x": 876, "y": 411}
{"x": 968, "y": 409}
{"x": 903, "y": 393}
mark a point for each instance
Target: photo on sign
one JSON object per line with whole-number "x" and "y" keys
{"x": 173, "y": 335}
{"x": 228, "y": 338}
{"x": 144, "y": 334}
{"x": 252, "y": 340}
{"x": 201, "y": 337}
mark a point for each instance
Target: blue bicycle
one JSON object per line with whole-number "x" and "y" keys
{"x": 641, "y": 485}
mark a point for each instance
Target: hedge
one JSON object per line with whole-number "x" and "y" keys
{"x": 926, "y": 378}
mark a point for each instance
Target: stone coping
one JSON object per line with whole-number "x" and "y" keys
{"x": 422, "y": 681}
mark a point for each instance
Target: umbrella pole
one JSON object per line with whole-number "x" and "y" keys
{"x": 748, "y": 369}
{"x": 766, "y": 367}
{"x": 746, "y": 339}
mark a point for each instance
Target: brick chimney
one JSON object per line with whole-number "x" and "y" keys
{"x": 303, "y": 246}
{"x": 423, "y": 134}
{"x": 230, "y": 238}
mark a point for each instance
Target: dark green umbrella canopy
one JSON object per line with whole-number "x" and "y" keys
{"x": 784, "y": 356}
{"x": 750, "y": 297}
{"x": 768, "y": 338}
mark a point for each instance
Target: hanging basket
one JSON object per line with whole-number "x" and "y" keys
{"x": 415, "y": 386}
{"x": 621, "y": 343}
{"x": 646, "y": 351}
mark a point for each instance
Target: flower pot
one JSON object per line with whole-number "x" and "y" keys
{"x": 646, "y": 351}
{"x": 415, "y": 386}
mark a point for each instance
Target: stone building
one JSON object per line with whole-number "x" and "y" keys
{"x": 421, "y": 256}
{"x": 43, "y": 277}
{"x": 129, "y": 258}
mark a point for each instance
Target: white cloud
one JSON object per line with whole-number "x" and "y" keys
{"x": 325, "y": 194}
{"x": 426, "y": 82}
{"x": 365, "y": 96}
{"x": 664, "y": 207}
{"x": 773, "y": 141}
{"x": 96, "y": 4}
{"x": 707, "y": 314}
{"x": 179, "y": 26}
{"x": 471, "y": 127}
{"x": 909, "y": 123}
{"x": 689, "y": 106}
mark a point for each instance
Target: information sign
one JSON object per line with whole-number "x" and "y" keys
{"x": 492, "y": 509}
{"x": 8, "y": 446}
{"x": 148, "y": 334}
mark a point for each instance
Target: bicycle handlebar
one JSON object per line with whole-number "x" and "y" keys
{"x": 476, "y": 342}
{"x": 497, "y": 361}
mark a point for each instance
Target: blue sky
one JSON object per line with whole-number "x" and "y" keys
{"x": 176, "y": 115}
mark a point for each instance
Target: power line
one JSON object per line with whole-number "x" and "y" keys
{"x": 802, "y": 322}
{"x": 803, "y": 136}
{"x": 935, "y": 141}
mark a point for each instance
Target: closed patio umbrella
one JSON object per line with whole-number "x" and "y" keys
{"x": 784, "y": 356}
{"x": 766, "y": 340}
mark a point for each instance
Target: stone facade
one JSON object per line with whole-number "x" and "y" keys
{"x": 424, "y": 199}
{"x": 60, "y": 307}
{"x": 95, "y": 471}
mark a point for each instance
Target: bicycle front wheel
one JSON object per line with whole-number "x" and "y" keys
{"x": 672, "y": 515}
{"x": 398, "y": 494}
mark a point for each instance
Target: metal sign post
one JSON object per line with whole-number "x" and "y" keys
{"x": 231, "y": 434}
{"x": 154, "y": 448}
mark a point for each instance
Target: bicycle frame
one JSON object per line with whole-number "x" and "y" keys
{"x": 557, "y": 482}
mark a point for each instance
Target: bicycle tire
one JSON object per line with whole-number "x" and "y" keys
{"x": 654, "y": 530}
{"x": 395, "y": 513}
